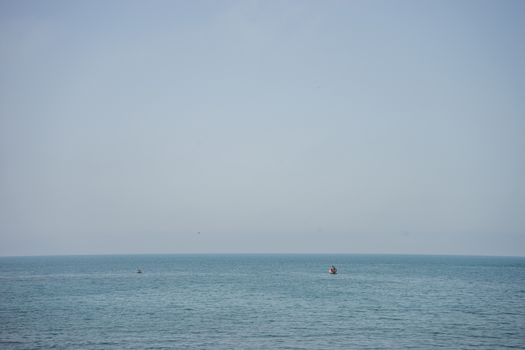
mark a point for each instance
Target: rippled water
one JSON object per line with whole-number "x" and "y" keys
{"x": 262, "y": 302}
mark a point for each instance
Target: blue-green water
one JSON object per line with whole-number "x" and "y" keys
{"x": 262, "y": 302}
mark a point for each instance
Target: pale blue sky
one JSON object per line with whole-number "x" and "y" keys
{"x": 267, "y": 126}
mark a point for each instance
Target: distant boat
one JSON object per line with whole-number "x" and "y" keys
{"x": 332, "y": 270}
{"x": 139, "y": 270}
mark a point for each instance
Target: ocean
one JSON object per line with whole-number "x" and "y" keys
{"x": 262, "y": 302}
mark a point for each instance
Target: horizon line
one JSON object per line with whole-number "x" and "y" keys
{"x": 262, "y": 253}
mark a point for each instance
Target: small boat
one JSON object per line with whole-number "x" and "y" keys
{"x": 139, "y": 270}
{"x": 332, "y": 270}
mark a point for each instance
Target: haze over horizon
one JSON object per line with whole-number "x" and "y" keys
{"x": 262, "y": 127}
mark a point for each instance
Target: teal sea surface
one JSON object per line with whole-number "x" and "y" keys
{"x": 262, "y": 302}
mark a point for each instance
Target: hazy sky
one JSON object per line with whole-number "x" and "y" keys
{"x": 267, "y": 126}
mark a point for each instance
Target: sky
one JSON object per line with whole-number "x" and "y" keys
{"x": 262, "y": 127}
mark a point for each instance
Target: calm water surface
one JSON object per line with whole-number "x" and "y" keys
{"x": 262, "y": 302}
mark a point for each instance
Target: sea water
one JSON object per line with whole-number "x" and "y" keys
{"x": 262, "y": 302}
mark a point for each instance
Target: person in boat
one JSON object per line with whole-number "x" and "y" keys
{"x": 332, "y": 269}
